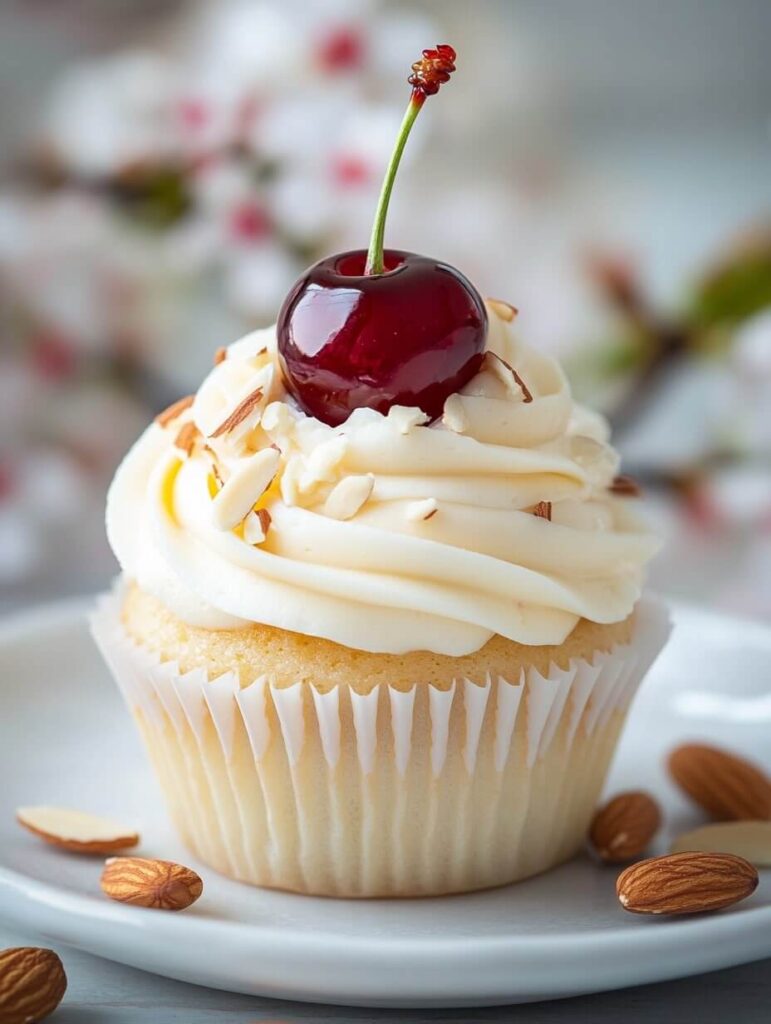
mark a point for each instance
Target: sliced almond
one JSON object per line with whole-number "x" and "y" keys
{"x": 748, "y": 839}
{"x": 174, "y": 410}
{"x": 244, "y": 409}
{"x": 454, "y": 416}
{"x": 76, "y": 830}
{"x": 256, "y": 526}
{"x": 220, "y": 355}
{"x": 144, "y": 882}
{"x": 418, "y": 511}
{"x": 186, "y": 437}
{"x": 543, "y": 510}
{"x": 508, "y": 376}
{"x": 349, "y": 496}
{"x": 216, "y": 469}
{"x": 322, "y": 465}
{"x": 244, "y": 488}
{"x": 527, "y": 395}
{"x": 406, "y": 419}
{"x": 504, "y": 310}
{"x": 502, "y": 370}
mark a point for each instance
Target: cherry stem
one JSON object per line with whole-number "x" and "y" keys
{"x": 375, "y": 263}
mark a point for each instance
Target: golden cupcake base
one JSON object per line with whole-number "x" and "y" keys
{"x": 369, "y": 788}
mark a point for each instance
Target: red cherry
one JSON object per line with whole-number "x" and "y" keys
{"x": 383, "y": 327}
{"x": 412, "y": 336}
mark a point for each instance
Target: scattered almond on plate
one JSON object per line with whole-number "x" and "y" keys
{"x": 685, "y": 883}
{"x": 624, "y": 827}
{"x": 144, "y": 882}
{"x": 728, "y": 787}
{"x": 77, "y": 831}
{"x": 32, "y": 984}
{"x": 748, "y": 839}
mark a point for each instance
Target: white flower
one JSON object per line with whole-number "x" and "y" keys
{"x": 302, "y": 203}
{"x": 241, "y": 45}
{"x": 107, "y": 113}
{"x": 257, "y": 279}
{"x": 752, "y": 346}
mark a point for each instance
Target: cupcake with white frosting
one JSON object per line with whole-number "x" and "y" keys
{"x": 386, "y": 658}
{"x": 381, "y": 612}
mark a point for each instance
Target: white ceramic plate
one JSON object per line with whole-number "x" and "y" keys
{"x": 65, "y": 738}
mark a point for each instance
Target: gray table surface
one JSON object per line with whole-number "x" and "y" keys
{"x": 100, "y": 992}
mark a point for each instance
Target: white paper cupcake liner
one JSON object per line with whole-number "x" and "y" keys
{"x": 388, "y": 793}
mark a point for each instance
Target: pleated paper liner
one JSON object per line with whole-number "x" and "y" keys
{"x": 391, "y": 793}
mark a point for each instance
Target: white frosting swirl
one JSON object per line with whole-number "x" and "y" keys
{"x": 386, "y": 534}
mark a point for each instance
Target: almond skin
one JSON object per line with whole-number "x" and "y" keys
{"x": 32, "y": 984}
{"x": 143, "y": 882}
{"x": 726, "y": 786}
{"x": 623, "y": 828}
{"x": 685, "y": 883}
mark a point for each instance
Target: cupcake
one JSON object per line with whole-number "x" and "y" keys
{"x": 381, "y": 614}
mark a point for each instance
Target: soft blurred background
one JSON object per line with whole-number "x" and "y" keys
{"x": 169, "y": 166}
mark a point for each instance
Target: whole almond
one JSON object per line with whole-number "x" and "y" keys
{"x": 685, "y": 883}
{"x": 748, "y": 839}
{"x": 624, "y": 827}
{"x": 77, "y": 831}
{"x": 143, "y": 882}
{"x": 726, "y": 786}
{"x": 32, "y": 984}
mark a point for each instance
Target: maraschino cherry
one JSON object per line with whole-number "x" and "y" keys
{"x": 383, "y": 327}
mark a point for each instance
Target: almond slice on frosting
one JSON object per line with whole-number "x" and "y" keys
{"x": 77, "y": 831}
{"x": 186, "y": 438}
{"x": 242, "y": 411}
{"x": 244, "y": 487}
{"x": 405, "y": 419}
{"x": 256, "y": 526}
{"x": 163, "y": 419}
{"x": 348, "y": 496}
{"x": 508, "y": 376}
{"x": 454, "y": 416}
{"x": 418, "y": 511}
{"x": 504, "y": 310}
{"x": 322, "y": 464}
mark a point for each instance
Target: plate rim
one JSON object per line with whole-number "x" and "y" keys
{"x": 45, "y": 894}
{"x": 507, "y": 969}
